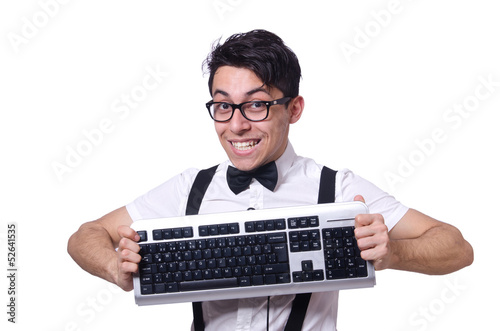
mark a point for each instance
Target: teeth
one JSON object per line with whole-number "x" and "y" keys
{"x": 243, "y": 146}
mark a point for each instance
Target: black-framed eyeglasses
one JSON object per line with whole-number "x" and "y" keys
{"x": 254, "y": 111}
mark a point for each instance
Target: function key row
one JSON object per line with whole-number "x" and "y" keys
{"x": 267, "y": 225}
{"x": 175, "y": 233}
{"x": 217, "y": 229}
{"x": 303, "y": 222}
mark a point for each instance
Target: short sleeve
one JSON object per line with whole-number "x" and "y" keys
{"x": 348, "y": 185}
{"x": 166, "y": 200}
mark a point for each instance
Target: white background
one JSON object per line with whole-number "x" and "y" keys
{"x": 63, "y": 68}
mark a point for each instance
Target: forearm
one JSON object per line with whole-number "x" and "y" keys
{"x": 93, "y": 250}
{"x": 439, "y": 250}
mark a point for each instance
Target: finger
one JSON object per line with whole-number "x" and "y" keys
{"x": 127, "y": 268}
{"x": 127, "y": 232}
{"x": 129, "y": 256}
{"x": 378, "y": 255}
{"x": 125, "y": 275}
{"x": 362, "y": 220}
{"x": 127, "y": 244}
{"x": 359, "y": 198}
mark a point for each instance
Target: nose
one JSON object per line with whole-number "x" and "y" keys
{"x": 238, "y": 123}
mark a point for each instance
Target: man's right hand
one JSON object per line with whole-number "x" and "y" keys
{"x": 128, "y": 257}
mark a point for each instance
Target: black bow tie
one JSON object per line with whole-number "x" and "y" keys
{"x": 239, "y": 180}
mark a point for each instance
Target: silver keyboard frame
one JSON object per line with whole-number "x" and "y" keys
{"x": 330, "y": 215}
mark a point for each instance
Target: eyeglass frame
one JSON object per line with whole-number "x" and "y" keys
{"x": 234, "y": 106}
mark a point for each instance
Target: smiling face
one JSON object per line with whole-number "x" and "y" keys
{"x": 250, "y": 145}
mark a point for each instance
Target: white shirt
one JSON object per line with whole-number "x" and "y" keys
{"x": 298, "y": 184}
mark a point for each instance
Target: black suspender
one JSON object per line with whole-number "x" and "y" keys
{"x": 195, "y": 197}
{"x": 327, "y": 186}
{"x": 198, "y": 190}
{"x": 300, "y": 303}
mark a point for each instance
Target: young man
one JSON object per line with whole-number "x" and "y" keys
{"x": 254, "y": 83}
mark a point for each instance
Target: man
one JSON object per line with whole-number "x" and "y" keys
{"x": 254, "y": 83}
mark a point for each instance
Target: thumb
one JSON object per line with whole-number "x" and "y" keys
{"x": 359, "y": 198}
{"x": 127, "y": 232}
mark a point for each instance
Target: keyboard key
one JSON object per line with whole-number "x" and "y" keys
{"x": 270, "y": 225}
{"x": 280, "y": 224}
{"x": 281, "y": 251}
{"x": 293, "y": 223}
{"x": 143, "y": 235}
{"x": 279, "y": 237}
{"x": 172, "y": 287}
{"x": 303, "y": 223}
{"x": 166, "y": 233}
{"x": 257, "y": 280}
{"x": 307, "y": 265}
{"x": 177, "y": 233}
{"x": 187, "y": 232}
{"x": 336, "y": 274}
{"x": 249, "y": 226}
{"x": 244, "y": 281}
{"x": 313, "y": 221}
{"x": 223, "y": 229}
{"x": 276, "y": 268}
{"x": 146, "y": 279}
{"x": 270, "y": 279}
{"x": 348, "y": 231}
{"x": 234, "y": 228}
{"x": 157, "y": 235}
{"x": 283, "y": 278}
{"x": 208, "y": 284}
{"x": 147, "y": 289}
{"x": 160, "y": 288}
{"x": 213, "y": 230}
{"x": 202, "y": 230}
{"x": 318, "y": 275}
{"x": 295, "y": 247}
{"x": 297, "y": 276}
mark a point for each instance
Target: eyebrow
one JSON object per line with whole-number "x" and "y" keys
{"x": 249, "y": 93}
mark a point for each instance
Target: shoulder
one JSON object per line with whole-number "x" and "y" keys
{"x": 349, "y": 185}
{"x": 165, "y": 200}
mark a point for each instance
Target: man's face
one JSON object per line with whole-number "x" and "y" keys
{"x": 250, "y": 145}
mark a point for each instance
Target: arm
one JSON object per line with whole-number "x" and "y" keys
{"x": 93, "y": 248}
{"x": 417, "y": 243}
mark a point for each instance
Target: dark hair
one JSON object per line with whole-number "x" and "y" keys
{"x": 262, "y": 52}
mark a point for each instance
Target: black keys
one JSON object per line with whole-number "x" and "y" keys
{"x": 218, "y": 262}
{"x": 218, "y": 229}
{"x": 303, "y": 222}
{"x": 208, "y": 284}
{"x": 161, "y": 234}
{"x": 308, "y": 273}
{"x": 265, "y": 225}
{"x": 220, "y": 257}
{"x": 305, "y": 240}
{"x": 342, "y": 255}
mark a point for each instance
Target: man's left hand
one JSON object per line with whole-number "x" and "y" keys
{"x": 373, "y": 240}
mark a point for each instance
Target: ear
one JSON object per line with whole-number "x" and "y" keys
{"x": 296, "y": 107}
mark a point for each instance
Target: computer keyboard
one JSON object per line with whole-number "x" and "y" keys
{"x": 250, "y": 254}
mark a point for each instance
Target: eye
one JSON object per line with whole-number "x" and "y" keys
{"x": 257, "y": 105}
{"x": 223, "y": 107}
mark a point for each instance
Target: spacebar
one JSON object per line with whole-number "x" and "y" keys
{"x": 208, "y": 284}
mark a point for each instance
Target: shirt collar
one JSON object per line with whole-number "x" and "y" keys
{"x": 284, "y": 162}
